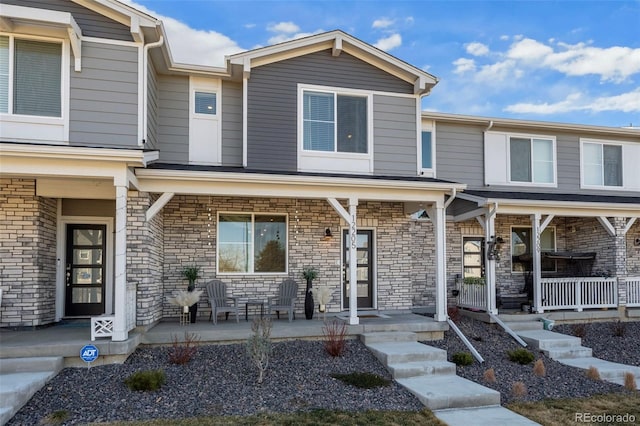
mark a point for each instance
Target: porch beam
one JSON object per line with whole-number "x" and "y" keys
{"x": 490, "y": 270}
{"x": 158, "y": 205}
{"x": 628, "y": 225}
{"x": 469, "y": 215}
{"x": 611, "y": 230}
{"x": 546, "y": 222}
{"x": 537, "y": 271}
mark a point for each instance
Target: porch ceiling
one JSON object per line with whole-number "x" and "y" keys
{"x": 258, "y": 184}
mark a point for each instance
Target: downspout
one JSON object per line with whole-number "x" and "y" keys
{"x": 145, "y": 88}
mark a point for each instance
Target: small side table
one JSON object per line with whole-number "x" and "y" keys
{"x": 256, "y": 303}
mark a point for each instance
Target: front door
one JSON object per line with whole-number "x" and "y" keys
{"x": 473, "y": 257}
{"x": 365, "y": 268}
{"x": 85, "y": 272}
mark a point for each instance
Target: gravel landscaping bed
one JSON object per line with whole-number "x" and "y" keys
{"x": 220, "y": 380}
{"x": 606, "y": 344}
{"x": 492, "y": 342}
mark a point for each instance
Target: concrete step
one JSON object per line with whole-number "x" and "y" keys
{"x": 525, "y": 325}
{"x": 610, "y": 371}
{"x": 572, "y": 352}
{"x": 548, "y": 340}
{"x": 384, "y": 337}
{"x": 420, "y": 368}
{"x": 483, "y": 416}
{"x": 399, "y": 352}
{"x": 21, "y": 378}
{"x": 438, "y": 392}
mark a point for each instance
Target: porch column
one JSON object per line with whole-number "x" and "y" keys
{"x": 437, "y": 214}
{"x": 490, "y": 261}
{"x": 120, "y": 331}
{"x": 536, "y": 230}
{"x": 350, "y": 218}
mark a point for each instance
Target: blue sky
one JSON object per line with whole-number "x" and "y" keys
{"x": 566, "y": 61}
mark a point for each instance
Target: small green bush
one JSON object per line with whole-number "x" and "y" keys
{"x": 521, "y": 356}
{"x": 462, "y": 358}
{"x": 363, "y": 380}
{"x": 147, "y": 380}
{"x": 56, "y": 418}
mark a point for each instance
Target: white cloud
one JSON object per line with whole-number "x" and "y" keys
{"x": 504, "y": 37}
{"x": 477, "y": 49}
{"x": 191, "y": 46}
{"x": 284, "y": 27}
{"x": 626, "y": 102}
{"x": 409, "y": 20}
{"x": 389, "y": 43}
{"x": 382, "y": 23}
{"x": 464, "y": 65}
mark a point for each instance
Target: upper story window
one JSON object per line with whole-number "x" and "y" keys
{"x": 252, "y": 243}
{"x": 426, "y": 149}
{"x": 31, "y": 77}
{"x": 205, "y": 130}
{"x": 205, "y": 103}
{"x": 335, "y": 122}
{"x": 519, "y": 159}
{"x": 601, "y": 164}
{"x": 531, "y": 160}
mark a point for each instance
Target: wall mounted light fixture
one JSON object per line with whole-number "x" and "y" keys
{"x": 493, "y": 248}
{"x": 327, "y": 234}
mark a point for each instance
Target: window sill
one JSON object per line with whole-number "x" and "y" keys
{"x": 338, "y": 162}
{"x": 605, "y": 188}
{"x": 33, "y": 128}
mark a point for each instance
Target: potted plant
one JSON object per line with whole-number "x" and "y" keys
{"x": 309, "y": 274}
{"x": 192, "y": 273}
{"x": 473, "y": 280}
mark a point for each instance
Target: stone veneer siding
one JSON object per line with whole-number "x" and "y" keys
{"x": 633, "y": 250}
{"x": 27, "y": 254}
{"x": 145, "y": 251}
{"x": 402, "y": 253}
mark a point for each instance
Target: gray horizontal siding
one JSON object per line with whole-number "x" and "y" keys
{"x": 231, "y": 124}
{"x": 272, "y": 101}
{"x": 460, "y": 154}
{"x": 394, "y": 128}
{"x": 460, "y": 158}
{"x": 91, "y": 23}
{"x": 173, "y": 119}
{"x": 104, "y": 97}
{"x": 152, "y": 108}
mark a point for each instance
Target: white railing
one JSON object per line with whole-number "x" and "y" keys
{"x": 633, "y": 291}
{"x": 473, "y": 296}
{"x": 579, "y": 293}
{"x": 131, "y": 306}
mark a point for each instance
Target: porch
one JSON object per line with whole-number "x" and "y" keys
{"x": 67, "y": 339}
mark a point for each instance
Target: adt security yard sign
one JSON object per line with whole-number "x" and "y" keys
{"x": 89, "y": 353}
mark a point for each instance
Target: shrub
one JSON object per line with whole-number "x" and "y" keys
{"x": 593, "y": 373}
{"x": 630, "y": 381}
{"x": 490, "y": 375}
{"x": 56, "y": 418}
{"x": 521, "y": 356}
{"x": 618, "y": 328}
{"x": 519, "y": 389}
{"x": 146, "y": 380}
{"x": 362, "y": 380}
{"x": 183, "y": 353}
{"x": 259, "y": 345}
{"x": 462, "y": 358}
{"x": 539, "y": 368}
{"x": 334, "y": 334}
{"x": 580, "y": 330}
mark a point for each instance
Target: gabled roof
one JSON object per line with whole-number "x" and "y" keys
{"x": 124, "y": 14}
{"x": 338, "y": 41}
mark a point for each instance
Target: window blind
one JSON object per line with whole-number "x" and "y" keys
{"x": 37, "y": 78}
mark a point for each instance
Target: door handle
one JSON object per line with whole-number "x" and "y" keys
{"x": 68, "y": 275}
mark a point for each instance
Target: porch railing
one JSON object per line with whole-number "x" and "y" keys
{"x": 579, "y": 293}
{"x": 633, "y": 291}
{"x": 473, "y": 296}
{"x": 131, "y": 306}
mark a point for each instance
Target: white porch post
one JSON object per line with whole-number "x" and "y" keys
{"x": 437, "y": 214}
{"x": 120, "y": 331}
{"x": 351, "y": 219}
{"x": 536, "y": 230}
{"x": 490, "y": 263}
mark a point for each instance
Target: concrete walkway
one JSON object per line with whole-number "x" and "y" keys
{"x": 21, "y": 378}
{"x": 426, "y": 373}
{"x": 569, "y": 350}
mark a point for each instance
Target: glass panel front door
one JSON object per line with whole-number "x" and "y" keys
{"x": 85, "y": 269}
{"x": 364, "y": 268}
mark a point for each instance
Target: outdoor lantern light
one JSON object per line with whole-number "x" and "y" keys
{"x": 493, "y": 248}
{"x": 327, "y": 234}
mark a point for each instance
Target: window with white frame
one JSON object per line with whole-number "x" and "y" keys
{"x": 205, "y": 103}
{"x": 522, "y": 248}
{"x": 30, "y": 77}
{"x": 252, "y": 243}
{"x": 335, "y": 122}
{"x": 602, "y": 164}
{"x": 531, "y": 160}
